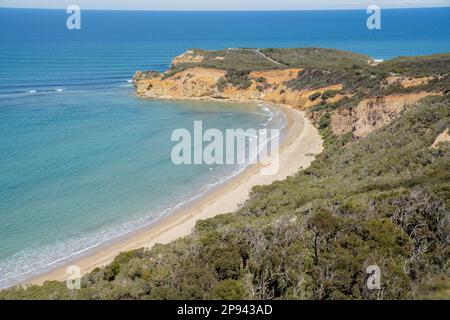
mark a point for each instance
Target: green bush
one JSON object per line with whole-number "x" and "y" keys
{"x": 382, "y": 200}
{"x": 228, "y": 290}
{"x": 330, "y": 94}
{"x": 314, "y": 96}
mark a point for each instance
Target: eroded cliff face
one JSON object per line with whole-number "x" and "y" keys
{"x": 202, "y": 83}
{"x": 189, "y": 56}
{"x": 442, "y": 138}
{"x": 408, "y": 82}
{"x": 371, "y": 114}
{"x": 190, "y": 83}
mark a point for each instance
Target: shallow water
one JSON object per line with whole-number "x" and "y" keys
{"x": 82, "y": 160}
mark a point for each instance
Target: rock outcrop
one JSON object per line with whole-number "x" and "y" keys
{"x": 444, "y": 137}
{"x": 371, "y": 114}
{"x": 203, "y": 83}
{"x": 406, "y": 82}
{"x": 203, "y": 75}
{"x": 189, "y": 56}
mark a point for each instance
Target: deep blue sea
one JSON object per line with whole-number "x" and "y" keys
{"x": 83, "y": 161}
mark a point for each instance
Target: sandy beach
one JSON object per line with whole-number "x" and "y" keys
{"x": 301, "y": 142}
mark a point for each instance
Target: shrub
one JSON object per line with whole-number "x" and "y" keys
{"x": 330, "y": 94}
{"x": 228, "y": 290}
{"x": 314, "y": 96}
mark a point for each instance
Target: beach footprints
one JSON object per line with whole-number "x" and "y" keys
{"x": 73, "y": 21}
{"x": 231, "y": 147}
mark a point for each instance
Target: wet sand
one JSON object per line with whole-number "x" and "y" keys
{"x": 300, "y": 141}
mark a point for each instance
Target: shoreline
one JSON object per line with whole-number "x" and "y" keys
{"x": 301, "y": 139}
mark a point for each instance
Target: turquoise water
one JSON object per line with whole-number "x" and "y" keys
{"x": 80, "y": 169}
{"x": 84, "y": 164}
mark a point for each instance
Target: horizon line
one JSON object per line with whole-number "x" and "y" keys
{"x": 228, "y": 10}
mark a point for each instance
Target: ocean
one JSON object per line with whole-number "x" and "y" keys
{"x": 83, "y": 161}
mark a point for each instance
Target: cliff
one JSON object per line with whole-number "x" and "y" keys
{"x": 383, "y": 200}
{"x": 368, "y": 199}
{"x": 358, "y": 95}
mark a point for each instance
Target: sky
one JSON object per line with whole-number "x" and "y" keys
{"x": 223, "y": 4}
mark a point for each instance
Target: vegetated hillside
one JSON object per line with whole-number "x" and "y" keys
{"x": 381, "y": 200}
{"x": 356, "y": 93}
{"x": 322, "y": 67}
{"x": 228, "y": 59}
{"x": 317, "y": 78}
{"x": 418, "y": 66}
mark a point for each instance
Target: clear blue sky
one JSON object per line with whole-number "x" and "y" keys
{"x": 222, "y": 4}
